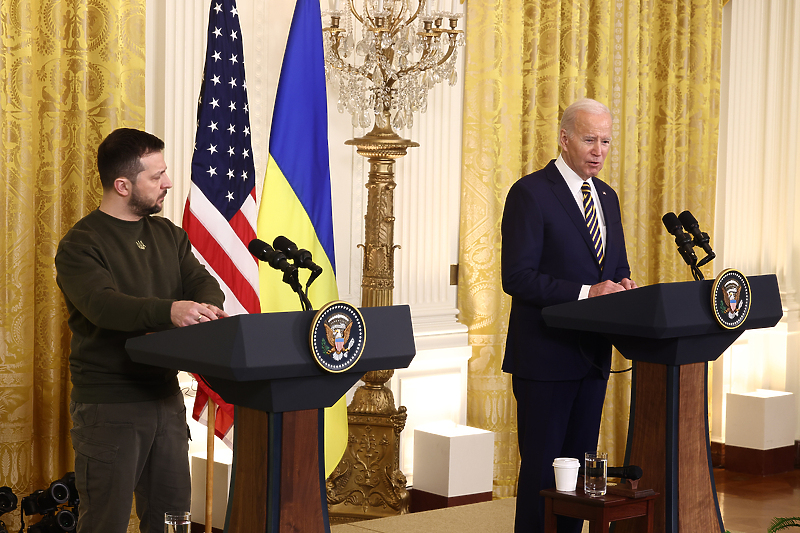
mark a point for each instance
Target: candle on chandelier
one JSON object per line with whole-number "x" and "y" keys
{"x": 455, "y": 7}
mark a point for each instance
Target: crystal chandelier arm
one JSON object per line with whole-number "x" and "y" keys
{"x": 419, "y": 8}
{"x": 353, "y": 11}
{"x": 395, "y": 23}
{"x": 343, "y": 66}
{"x": 451, "y": 47}
{"x": 398, "y": 22}
{"x": 421, "y": 66}
{"x": 349, "y": 69}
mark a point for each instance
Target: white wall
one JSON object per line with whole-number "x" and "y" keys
{"x": 757, "y": 226}
{"x": 426, "y": 198}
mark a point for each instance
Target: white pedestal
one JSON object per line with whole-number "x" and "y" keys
{"x": 222, "y": 481}
{"x": 453, "y": 462}
{"x": 761, "y": 420}
{"x": 433, "y": 388}
{"x": 759, "y": 432}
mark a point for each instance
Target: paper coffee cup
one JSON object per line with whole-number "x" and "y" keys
{"x": 566, "y": 470}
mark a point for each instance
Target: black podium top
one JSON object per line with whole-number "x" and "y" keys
{"x": 669, "y": 323}
{"x": 263, "y": 361}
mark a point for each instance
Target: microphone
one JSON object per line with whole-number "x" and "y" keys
{"x": 682, "y": 239}
{"x": 623, "y": 472}
{"x": 700, "y": 238}
{"x": 301, "y": 258}
{"x": 275, "y": 259}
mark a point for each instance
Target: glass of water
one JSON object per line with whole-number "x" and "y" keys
{"x": 595, "y": 473}
{"x": 177, "y": 522}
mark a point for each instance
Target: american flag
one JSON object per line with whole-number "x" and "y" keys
{"x": 220, "y": 213}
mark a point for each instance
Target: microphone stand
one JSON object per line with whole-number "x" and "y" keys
{"x": 314, "y": 275}
{"x": 696, "y": 274}
{"x": 707, "y": 259}
{"x": 291, "y": 279}
{"x": 685, "y": 248}
{"x": 294, "y": 283}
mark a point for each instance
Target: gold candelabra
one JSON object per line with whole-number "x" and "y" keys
{"x": 404, "y": 52}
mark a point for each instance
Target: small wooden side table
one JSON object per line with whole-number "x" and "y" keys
{"x": 600, "y": 511}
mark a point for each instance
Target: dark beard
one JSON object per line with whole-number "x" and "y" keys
{"x": 140, "y": 207}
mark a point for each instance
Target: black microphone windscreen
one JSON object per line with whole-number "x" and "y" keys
{"x": 633, "y": 472}
{"x": 284, "y": 244}
{"x": 257, "y": 247}
{"x": 671, "y": 222}
{"x": 625, "y": 472}
{"x": 688, "y": 220}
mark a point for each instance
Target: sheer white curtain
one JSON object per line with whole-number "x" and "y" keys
{"x": 757, "y": 226}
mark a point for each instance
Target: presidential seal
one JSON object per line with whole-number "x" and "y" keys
{"x": 730, "y": 298}
{"x": 337, "y": 336}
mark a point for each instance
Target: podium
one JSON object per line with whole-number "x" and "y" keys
{"x": 262, "y": 364}
{"x": 669, "y": 331}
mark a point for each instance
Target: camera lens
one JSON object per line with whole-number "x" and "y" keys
{"x": 59, "y": 492}
{"x": 8, "y": 500}
{"x": 66, "y": 520}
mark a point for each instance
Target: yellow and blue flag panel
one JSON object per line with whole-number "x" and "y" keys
{"x": 296, "y": 199}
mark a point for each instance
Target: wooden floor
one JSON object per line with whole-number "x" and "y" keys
{"x": 749, "y": 503}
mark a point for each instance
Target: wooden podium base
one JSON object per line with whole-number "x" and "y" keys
{"x": 277, "y": 485}
{"x": 674, "y": 456}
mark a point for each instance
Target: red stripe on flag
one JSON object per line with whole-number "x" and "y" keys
{"x": 224, "y": 411}
{"x": 222, "y": 264}
{"x": 241, "y": 226}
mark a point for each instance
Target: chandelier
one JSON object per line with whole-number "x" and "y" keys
{"x": 402, "y": 52}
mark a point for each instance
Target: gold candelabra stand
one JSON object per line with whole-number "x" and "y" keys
{"x": 405, "y": 52}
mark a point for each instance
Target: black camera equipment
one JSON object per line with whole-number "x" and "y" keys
{"x": 55, "y": 522}
{"x": 44, "y": 501}
{"x": 8, "y": 502}
{"x": 69, "y": 481}
{"x": 58, "y": 503}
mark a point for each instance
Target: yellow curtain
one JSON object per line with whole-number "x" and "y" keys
{"x": 73, "y": 70}
{"x": 656, "y": 65}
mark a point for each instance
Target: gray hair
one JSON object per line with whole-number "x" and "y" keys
{"x": 586, "y": 105}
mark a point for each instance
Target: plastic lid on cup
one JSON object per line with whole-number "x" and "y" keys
{"x": 566, "y": 462}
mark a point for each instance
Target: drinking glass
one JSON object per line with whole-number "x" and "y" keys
{"x": 595, "y": 473}
{"x": 177, "y": 522}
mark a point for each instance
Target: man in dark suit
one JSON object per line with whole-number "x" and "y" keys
{"x": 562, "y": 241}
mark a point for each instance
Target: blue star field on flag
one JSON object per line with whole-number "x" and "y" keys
{"x": 222, "y": 164}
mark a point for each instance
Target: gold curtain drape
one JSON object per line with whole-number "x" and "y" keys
{"x": 656, "y": 65}
{"x": 73, "y": 70}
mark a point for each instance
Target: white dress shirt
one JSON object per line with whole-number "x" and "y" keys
{"x": 574, "y": 183}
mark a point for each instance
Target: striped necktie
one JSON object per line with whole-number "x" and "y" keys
{"x": 591, "y": 221}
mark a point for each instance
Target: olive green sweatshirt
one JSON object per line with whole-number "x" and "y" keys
{"x": 119, "y": 279}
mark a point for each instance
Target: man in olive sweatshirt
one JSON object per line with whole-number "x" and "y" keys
{"x": 125, "y": 273}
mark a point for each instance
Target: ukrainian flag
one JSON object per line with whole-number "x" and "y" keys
{"x": 296, "y": 199}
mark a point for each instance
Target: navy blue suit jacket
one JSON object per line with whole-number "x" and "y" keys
{"x": 547, "y": 255}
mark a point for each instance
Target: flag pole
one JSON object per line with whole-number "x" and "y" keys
{"x": 211, "y": 425}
